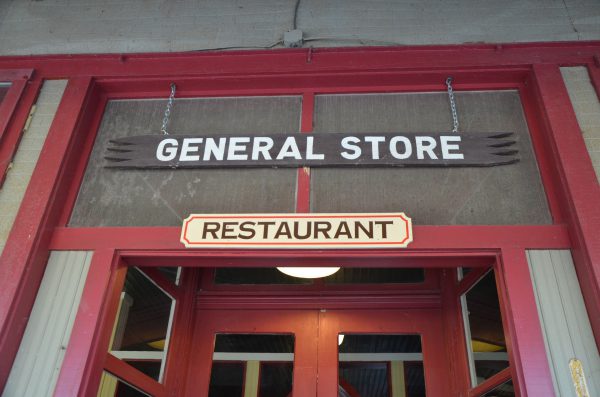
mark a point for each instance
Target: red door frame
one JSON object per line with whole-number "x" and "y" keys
{"x": 316, "y": 347}
{"x": 533, "y": 69}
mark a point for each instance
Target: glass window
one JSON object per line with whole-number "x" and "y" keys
{"x": 380, "y": 365}
{"x": 111, "y": 386}
{"x": 484, "y": 331}
{"x": 4, "y": 87}
{"x": 142, "y": 330}
{"x": 227, "y": 379}
{"x": 351, "y": 275}
{"x": 252, "y": 364}
{"x": 504, "y": 390}
{"x": 117, "y": 197}
{"x": 255, "y": 275}
{"x": 508, "y": 194}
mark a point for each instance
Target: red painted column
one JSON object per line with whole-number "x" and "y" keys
{"x": 23, "y": 261}
{"x": 525, "y": 339}
{"x": 579, "y": 184}
{"x": 83, "y": 339}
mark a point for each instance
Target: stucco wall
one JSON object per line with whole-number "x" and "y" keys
{"x": 93, "y": 26}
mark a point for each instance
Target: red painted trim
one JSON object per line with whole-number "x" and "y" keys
{"x": 491, "y": 383}
{"x": 9, "y": 104}
{"x": 303, "y": 178}
{"x": 103, "y": 330}
{"x": 578, "y": 182}
{"x": 542, "y": 148}
{"x": 524, "y": 338}
{"x": 90, "y": 130}
{"x": 134, "y": 377}
{"x": 24, "y": 258}
{"x": 425, "y": 237}
{"x": 86, "y": 328}
{"x": 181, "y": 340}
{"x": 294, "y": 60}
{"x": 28, "y": 93}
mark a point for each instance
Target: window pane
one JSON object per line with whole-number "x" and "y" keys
{"x": 111, "y": 386}
{"x": 266, "y": 359}
{"x": 508, "y": 194}
{"x": 4, "y": 87}
{"x": 352, "y": 275}
{"x": 484, "y": 329}
{"x": 114, "y": 197}
{"x": 255, "y": 275}
{"x": 226, "y": 380}
{"x": 275, "y": 379}
{"x": 504, "y": 390}
{"x": 141, "y": 334}
{"x": 381, "y": 365}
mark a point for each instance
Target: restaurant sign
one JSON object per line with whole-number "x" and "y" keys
{"x": 320, "y": 231}
{"x": 313, "y": 150}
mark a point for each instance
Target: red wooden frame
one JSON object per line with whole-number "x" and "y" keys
{"x": 533, "y": 69}
{"x": 14, "y": 112}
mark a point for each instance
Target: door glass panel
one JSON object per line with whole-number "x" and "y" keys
{"x": 227, "y": 379}
{"x": 142, "y": 328}
{"x": 372, "y": 365}
{"x": 504, "y": 390}
{"x": 266, "y": 362}
{"x": 111, "y": 386}
{"x": 484, "y": 330}
{"x": 4, "y": 87}
{"x": 275, "y": 379}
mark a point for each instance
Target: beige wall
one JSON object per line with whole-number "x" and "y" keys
{"x": 93, "y": 26}
{"x": 17, "y": 179}
{"x": 587, "y": 108}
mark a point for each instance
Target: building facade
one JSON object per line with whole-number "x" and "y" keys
{"x": 479, "y": 121}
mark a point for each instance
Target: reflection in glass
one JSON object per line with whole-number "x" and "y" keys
{"x": 483, "y": 325}
{"x": 226, "y": 379}
{"x": 142, "y": 329}
{"x": 4, "y": 87}
{"x": 504, "y": 390}
{"x": 373, "y": 365}
{"x": 111, "y": 386}
{"x": 275, "y": 379}
{"x": 252, "y": 365}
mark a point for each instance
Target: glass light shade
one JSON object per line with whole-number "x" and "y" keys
{"x": 308, "y": 272}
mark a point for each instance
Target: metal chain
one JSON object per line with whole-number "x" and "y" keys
{"x": 167, "y": 116}
{"x": 452, "y": 104}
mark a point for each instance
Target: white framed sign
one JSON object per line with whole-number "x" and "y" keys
{"x": 315, "y": 231}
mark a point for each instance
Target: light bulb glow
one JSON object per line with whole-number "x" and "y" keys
{"x": 340, "y": 339}
{"x": 308, "y": 272}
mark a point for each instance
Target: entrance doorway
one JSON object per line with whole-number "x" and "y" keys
{"x": 255, "y": 332}
{"x": 399, "y": 353}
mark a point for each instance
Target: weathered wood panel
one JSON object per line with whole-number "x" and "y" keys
{"x": 564, "y": 319}
{"x": 112, "y": 197}
{"x": 49, "y": 328}
{"x": 511, "y": 194}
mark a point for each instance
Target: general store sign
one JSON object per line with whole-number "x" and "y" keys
{"x": 313, "y": 150}
{"x": 382, "y": 230}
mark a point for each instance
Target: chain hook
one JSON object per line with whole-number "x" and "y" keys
{"x": 452, "y": 104}
{"x": 168, "y": 109}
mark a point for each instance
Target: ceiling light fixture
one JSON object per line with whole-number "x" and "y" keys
{"x": 308, "y": 272}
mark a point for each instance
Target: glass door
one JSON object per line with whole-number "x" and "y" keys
{"x": 285, "y": 353}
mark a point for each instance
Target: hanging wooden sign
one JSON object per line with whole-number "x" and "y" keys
{"x": 313, "y": 150}
{"x": 385, "y": 230}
